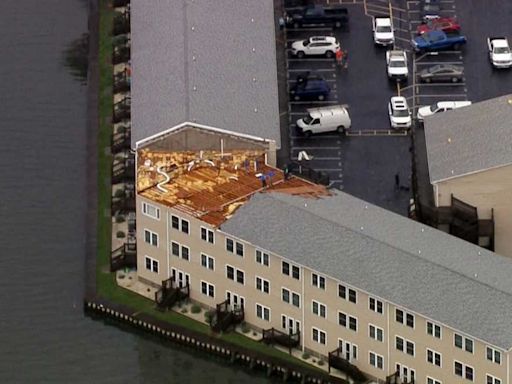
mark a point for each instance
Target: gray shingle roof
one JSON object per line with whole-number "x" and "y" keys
{"x": 181, "y": 44}
{"x": 387, "y": 255}
{"x": 479, "y": 136}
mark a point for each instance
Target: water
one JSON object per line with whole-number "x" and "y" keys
{"x": 44, "y": 336}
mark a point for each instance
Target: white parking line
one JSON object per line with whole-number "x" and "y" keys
{"x": 314, "y": 102}
{"x": 313, "y": 137}
{"x": 314, "y": 148}
{"x": 316, "y": 70}
{"x": 304, "y": 59}
{"x": 440, "y": 84}
{"x": 319, "y": 158}
{"x": 439, "y": 62}
{"x": 446, "y": 95}
{"x": 327, "y": 80}
{"x": 291, "y": 30}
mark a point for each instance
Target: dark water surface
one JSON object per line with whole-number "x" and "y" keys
{"x": 44, "y": 336}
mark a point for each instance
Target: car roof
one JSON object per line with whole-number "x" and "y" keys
{"x": 399, "y": 102}
{"x": 453, "y": 103}
{"x": 396, "y": 53}
{"x": 445, "y": 66}
{"x": 382, "y": 21}
{"x": 499, "y": 43}
{"x": 329, "y": 39}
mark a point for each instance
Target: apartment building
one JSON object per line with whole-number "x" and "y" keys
{"x": 469, "y": 158}
{"x": 391, "y": 294}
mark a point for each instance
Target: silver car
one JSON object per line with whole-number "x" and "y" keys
{"x": 442, "y": 73}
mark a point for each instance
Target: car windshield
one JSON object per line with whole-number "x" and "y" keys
{"x": 501, "y": 50}
{"x": 401, "y": 113}
{"x": 397, "y": 63}
{"x": 308, "y": 119}
{"x": 434, "y": 69}
{"x": 305, "y": 43}
{"x": 434, "y": 107}
{"x": 384, "y": 29}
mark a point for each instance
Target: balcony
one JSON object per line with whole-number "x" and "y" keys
{"x": 124, "y": 257}
{"x": 170, "y": 294}
{"x": 288, "y": 340}
{"x": 123, "y": 170}
{"x": 121, "y": 110}
{"x": 123, "y": 201}
{"x": 337, "y": 361}
{"x": 226, "y": 316}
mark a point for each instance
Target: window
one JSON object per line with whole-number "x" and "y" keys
{"x": 319, "y": 336}
{"x": 409, "y": 348}
{"x": 240, "y": 276}
{"x": 347, "y": 321}
{"x": 432, "y": 381}
{"x": 230, "y": 272}
{"x": 409, "y": 320}
{"x": 463, "y": 343}
{"x": 151, "y": 264}
{"x": 207, "y": 289}
{"x": 151, "y": 237}
{"x": 285, "y": 294}
{"x": 376, "y": 360}
{"x": 175, "y": 249}
{"x": 229, "y": 245}
{"x": 318, "y": 281}
{"x": 151, "y": 211}
{"x": 207, "y": 261}
{"x": 319, "y": 309}
{"x": 433, "y": 357}
{"x": 285, "y": 268}
{"x": 376, "y": 333}
{"x": 262, "y": 285}
{"x": 433, "y": 329}
{"x": 175, "y": 222}
{"x": 239, "y": 249}
{"x": 493, "y": 355}
{"x": 342, "y": 292}
{"x": 262, "y": 258}
{"x": 295, "y": 272}
{"x": 401, "y": 315}
{"x": 207, "y": 235}
{"x": 463, "y": 370}
{"x": 376, "y": 305}
{"x": 184, "y": 226}
{"x": 185, "y": 253}
{"x": 262, "y": 312}
{"x": 492, "y": 380}
{"x": 296, "y": 299}
{"x": 399, "y": 343}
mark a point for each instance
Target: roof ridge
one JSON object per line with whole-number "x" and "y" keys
{"x": 394, "y": 247}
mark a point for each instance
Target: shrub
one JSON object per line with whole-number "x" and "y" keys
{"x": 208, "y": 317}
{"x": 245, "y": 328}
{"x": 306, "y": 355}
{"x": 195, "y": 308}
{"x": 184, "y": 310}
{"x": 120, "y": 235}
{"x": 321, "y": 362}
{"x": 119, "y": 193}
{"x": 120, "y": 219}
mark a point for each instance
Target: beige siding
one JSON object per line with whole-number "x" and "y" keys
{"x": 308, "y": 292}
{"x": 485, "y": 190}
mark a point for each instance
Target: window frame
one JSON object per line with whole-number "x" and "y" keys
{"x": 434, "y": 328}
{"x": 144, "y": 210}
{"x": 494, "y": 351}
{"x": 376, "y": 358}
{"x": 434, "y": 353}
{"x": 263, "y": 308}
{"x": 209, "y": 261}
{"x": 319, "y": 306}
{"x": 376, "y": 303}
{"x": 152, "y": 263}
{"x": 320, "y": 281}
{"x": 174, "y": 219}
{"x": 208, "y": 286}
{"x": 263, "y": 256}
{"x": 152, "y": 236}
{"x": 207, "y": 232}
{"x": 232, "y": 242}
{"x": 263, "y": 281}
{"x": 319, "y": 333}
{"x": 376, "y": 332}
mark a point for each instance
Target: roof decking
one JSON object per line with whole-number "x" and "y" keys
{"x": 211, "y": 185}
{"x": 469, "y": 139}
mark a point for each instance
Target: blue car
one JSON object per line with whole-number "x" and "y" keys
{"x": 438, "y": 40}
{"x": 310, "y": 88}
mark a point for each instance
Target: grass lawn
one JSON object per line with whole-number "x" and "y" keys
{"x": 105, "y": 281}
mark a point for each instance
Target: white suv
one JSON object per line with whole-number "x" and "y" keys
{"x": 383, "y": 33}
{"x": 397, "y": 65}
{"x": 399, "y": 114}
{"x": 316, "y": 45}
{"x": 440, "y": 106}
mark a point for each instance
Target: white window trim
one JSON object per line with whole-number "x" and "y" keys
{"x": 434, "y": 325}
{"x": 145, "y": 213}
{"x": 376, "y": 300}
{"x": 207, "y": 288}
{"x": 494, "y": 378}
{"x": 376, "y": 328}
{"x": 262, "y": 285}
{"x": 464, "y": 340}
{"x": 152, "y": 259}
{"x": 179, "y": 221}
{"x": 208, "y": 260}
{"x": 493, "y": 354}
{"x": 181, "y": 226}
{"x": 464, "y": 366}
{"x": 434, "y": 380}
{"x": 413, "y": 347}
{"x": 151, "y": 233}
{"x": 263, "y": 307}
{"x": 262, "y": 257}
{"x": 235, "y": 271}
{"x": 207, "y": 232}
{"x": 319, "y": 277}
{"x": 319, "y": 331}
{"x": 434, "y": 358}
{"x": 376, "y": 355}
{"x": 319, "y": 311}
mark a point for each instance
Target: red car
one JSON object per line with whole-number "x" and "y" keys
{"x": 445, "y": 24}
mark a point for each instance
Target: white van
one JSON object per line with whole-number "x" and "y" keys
{"x": 325, "y": 119}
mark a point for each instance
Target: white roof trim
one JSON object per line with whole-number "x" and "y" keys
{"x": 187, "y": 123}
{"x": 469, "y": 173}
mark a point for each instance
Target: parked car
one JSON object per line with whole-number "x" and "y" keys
{"x": 430, "y": 9}
{"x": 397, "y": 68}
{"x": 383, "y": 33}
{"x": 326, "y": 119}
{"x": 442, "y": 73}
{"x": 318, "y": 15}
{"x": 438, "y": 40}
{"x": 440, "y": 106}
{"x": 399, "y": 113}
{"x": 445, "y": 24}
{"x": 499, "y": 52}
{"x": 310, "y": 88}
{"x": 316, "y": 45}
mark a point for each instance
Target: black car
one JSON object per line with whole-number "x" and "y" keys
{"x": 430, "y": 9}
{"x": 442, "y": 73}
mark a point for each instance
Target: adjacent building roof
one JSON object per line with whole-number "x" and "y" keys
{"x": 211, "y": 62}
{"x": 469, "y": 139}
{"x": 405, "y": 262}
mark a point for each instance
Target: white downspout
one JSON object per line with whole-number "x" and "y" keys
{"x": 303, "y": 309}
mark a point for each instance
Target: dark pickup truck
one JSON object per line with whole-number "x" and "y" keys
{"x": 318, "y": 15}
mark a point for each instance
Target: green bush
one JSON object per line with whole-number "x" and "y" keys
{"x": 120, "y": 235}
{"x": 306, "y": 355}
{"x": 119, "y": 193}
{"x": 245, "y": 328}
{"x": 208, "y": 317}
{"x": 184, "y": 310}
{"x": 120, "y": 219}
{"x": 195, "y": 308}
{"x": 321, "y": 362}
